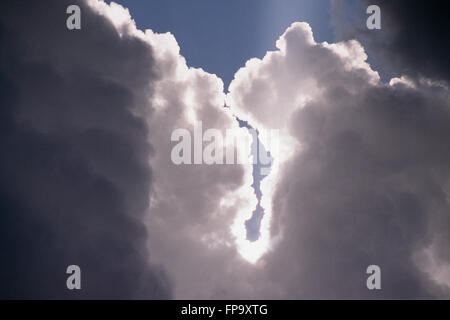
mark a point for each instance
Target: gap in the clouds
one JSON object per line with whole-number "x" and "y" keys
{"x": 260, "y": 171}
{"x": 221, "y": 36}
{"x": 206, "y": 42}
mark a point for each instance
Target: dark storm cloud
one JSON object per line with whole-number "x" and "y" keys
{"x": 413, "y": 39}
{"x": 369, "y": 180}
{"x": 74, "y": 172}
{"x": 370, "y": 187}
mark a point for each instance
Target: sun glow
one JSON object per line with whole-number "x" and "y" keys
{"x": 253, "y": 251}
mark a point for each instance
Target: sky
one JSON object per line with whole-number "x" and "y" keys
{"x": 90, "y": 119}
{"x": 220, "y": 36}
{"x": 207, "y": 43}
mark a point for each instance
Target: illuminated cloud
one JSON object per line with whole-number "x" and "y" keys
{"x": 367, "y": 179}
{"x": 361, "y": 171}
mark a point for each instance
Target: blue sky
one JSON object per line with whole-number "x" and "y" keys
{"x": 220, "y": 36}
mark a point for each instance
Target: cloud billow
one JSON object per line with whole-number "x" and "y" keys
{"x": 368, "y": 180}
{"x": 412, "y": 40}
{"x": 86, "y": 174}
{"x": 361, "y": 176}
{"x": 75, "y": 178}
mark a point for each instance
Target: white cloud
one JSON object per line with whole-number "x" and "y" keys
{"x": 356, "y": 180}
{"x": 192, "y": 207}
{"x": 354, "y": 189}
